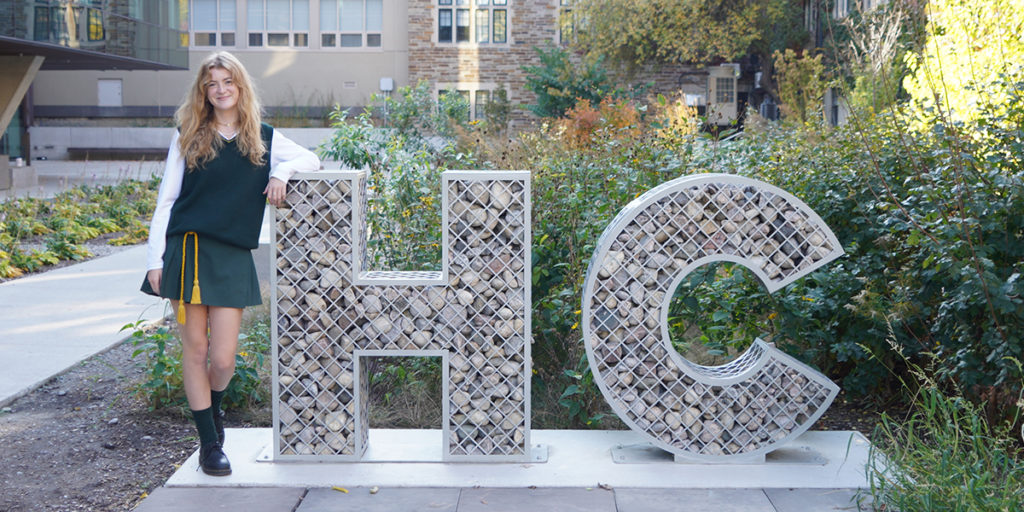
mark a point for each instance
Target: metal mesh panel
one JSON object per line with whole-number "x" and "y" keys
{"x": 326, "y": 309}
{"x": 706, "y": 412}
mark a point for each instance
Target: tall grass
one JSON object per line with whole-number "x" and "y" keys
{"x": 944, "y": 456}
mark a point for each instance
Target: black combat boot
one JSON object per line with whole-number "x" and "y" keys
{"x": 213, "y": 461}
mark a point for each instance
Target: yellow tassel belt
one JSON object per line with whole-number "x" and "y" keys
{"x": 196, "y": 297}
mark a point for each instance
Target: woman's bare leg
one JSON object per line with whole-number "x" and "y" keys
{"x": 194, "y": 348}
{"x": 224, "y": 326}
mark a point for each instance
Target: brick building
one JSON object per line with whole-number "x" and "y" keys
{"x": 309, "y": 55}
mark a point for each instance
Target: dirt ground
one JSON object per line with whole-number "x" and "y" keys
{"x": 85, "y": 441}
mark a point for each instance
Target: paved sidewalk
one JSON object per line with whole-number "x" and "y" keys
{"x": 51, "y": 321}
{"x": 480, "y": 499}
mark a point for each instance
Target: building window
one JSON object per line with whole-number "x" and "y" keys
{"x": 480, "y": 105}
{"x": 213, "y": 22}
{"x": 351, "y": 23}
{"x": 566, "y": 23}
{"x": 475, "y": 99}
{"x": 278, "y": 22}
{"x": 725, "y": 90}
{"x": 472, "y": 21}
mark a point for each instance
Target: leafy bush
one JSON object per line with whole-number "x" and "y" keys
{"x": 931, "y": 227}
{"x": 71, "y": 218}
{"x": 559, "y": 83}
{"x": 614, "y": 118}
{"x": 163, "y": 385}
{"x": 404, "y": 164}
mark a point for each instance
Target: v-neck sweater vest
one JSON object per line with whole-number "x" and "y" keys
{"x": 224, "y": 199}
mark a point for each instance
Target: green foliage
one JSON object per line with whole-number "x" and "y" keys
{"x": 931, "y": 226}
{"x": 559, "y": 82}
{"x": 971, "y": 63}
{"x": 802, "y": 85}
{"x": 727, "y": 304}
{"x": 250, "y": 386}
{"x": 944, "y": 456}
{"x": 71, "y": 218}
{"x": 699, "y": 31}
{"x": 404, "y": 173}
{"x": 162, "y": 385}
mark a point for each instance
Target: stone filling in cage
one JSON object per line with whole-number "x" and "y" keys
{"x": 328, "y": 310}
{"x": 741, "y": 409}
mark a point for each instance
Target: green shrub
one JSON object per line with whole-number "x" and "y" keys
{"x": 71, "y": 218}
{"x": 559, "y": 83}
{"x": 162, "y": 385}
{"x": 250, "y": 386}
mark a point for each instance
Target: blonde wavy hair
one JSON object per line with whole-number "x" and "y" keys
{"x": 199, "y": 141}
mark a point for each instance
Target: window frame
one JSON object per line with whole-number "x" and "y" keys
{"x": 497, "y": 23}
{"x": 364, "y": 34}
{"x": 729, "y": 91}
{"x": 470, "y": 90}
{"x": 265, "y": 34}
{"x": 219, "y": 33}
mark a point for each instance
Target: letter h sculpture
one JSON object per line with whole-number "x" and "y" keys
{"x": 330, "y": 312}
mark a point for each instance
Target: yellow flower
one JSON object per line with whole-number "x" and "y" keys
{"x": 772, "y": 315}
{"x": 575, "y": 325}
{"x": 243, "y": 354}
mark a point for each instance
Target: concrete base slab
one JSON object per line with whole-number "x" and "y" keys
{"x": 815, "y": 500}
{"x": 646, "y": 453}
{"x": 397, "y": 445}
{"x": 575, "y": 459}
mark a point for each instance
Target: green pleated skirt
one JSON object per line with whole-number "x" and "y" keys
{"x": 227, "y": 275}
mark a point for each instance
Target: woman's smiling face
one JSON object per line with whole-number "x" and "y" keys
{"x": 221, "y": 90}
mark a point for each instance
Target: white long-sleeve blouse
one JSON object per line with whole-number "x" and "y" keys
{"x": 286, "y": 159}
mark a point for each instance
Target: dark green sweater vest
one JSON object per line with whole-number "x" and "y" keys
{"x": 224, "y": 199}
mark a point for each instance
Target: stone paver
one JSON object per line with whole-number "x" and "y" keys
{"x": 813, "y": 500}
{"x": 214, "y": 499}
{"x": 696, "y": 500}
{"x": 522, "y": 500}
{"x": 385, "y": 500}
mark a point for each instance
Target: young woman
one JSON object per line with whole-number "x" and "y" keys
{"x": 222, "y": 168}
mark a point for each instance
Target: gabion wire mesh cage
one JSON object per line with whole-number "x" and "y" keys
{"x": 737, "y": 411}
{"x": 329, "y": 311}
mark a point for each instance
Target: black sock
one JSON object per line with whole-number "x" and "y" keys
{"x": 215, "y": 399}
{"x": 204, "y": 423}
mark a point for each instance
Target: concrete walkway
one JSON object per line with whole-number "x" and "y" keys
{"x": 51, "y": 321}
{"x": 482, "y": 499}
